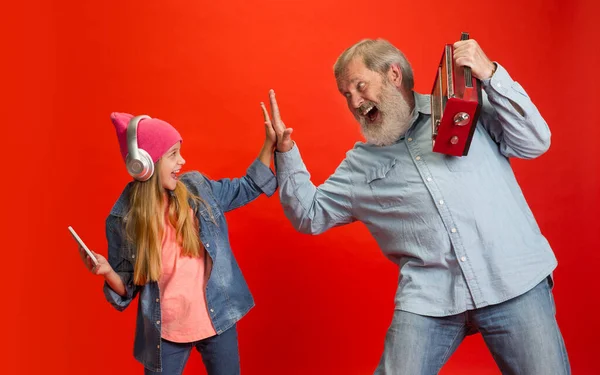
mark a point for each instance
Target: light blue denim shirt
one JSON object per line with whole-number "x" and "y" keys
{"x": 227, "y": 295}
{"x": 459, "y": 228}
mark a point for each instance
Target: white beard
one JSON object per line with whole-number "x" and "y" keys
{"x": 395, "y": 118}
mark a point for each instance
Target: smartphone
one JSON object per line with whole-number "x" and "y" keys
{"x": 83, "y": 246}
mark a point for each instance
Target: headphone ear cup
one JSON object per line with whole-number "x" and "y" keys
{"x": 142, "y": 168}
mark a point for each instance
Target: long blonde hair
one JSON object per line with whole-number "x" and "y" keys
{"x": 145, "y": 224}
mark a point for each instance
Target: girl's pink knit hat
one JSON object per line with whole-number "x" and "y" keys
{"x": 153, "y": 135}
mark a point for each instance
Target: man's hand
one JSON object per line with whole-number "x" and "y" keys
{"x": 284, "y": 139}
{"x": 469, "y": 53}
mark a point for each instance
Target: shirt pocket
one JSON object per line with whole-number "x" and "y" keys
{"x": 210, "y": 211}
{"x": 388, "y": 184}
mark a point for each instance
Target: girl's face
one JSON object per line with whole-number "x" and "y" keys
{"x": 170, "y": 166}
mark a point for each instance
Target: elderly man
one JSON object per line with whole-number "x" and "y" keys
{"x": 471, "y": 255}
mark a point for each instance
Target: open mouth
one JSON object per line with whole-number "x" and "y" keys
{"x": 175, "y": 173}
{"x": 370, "y": 111}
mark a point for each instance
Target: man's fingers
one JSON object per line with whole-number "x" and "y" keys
{"x": 463, "y": 61}
{"x": 287, "y": 135}
{"x": 275, "y": 110}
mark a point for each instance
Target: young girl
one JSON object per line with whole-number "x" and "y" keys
{"x": 168, "y": 242}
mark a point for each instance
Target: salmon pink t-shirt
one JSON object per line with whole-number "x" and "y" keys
{"x": 182, "y": 286}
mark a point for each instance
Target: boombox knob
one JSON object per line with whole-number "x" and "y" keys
{"x": 461, "y": 118}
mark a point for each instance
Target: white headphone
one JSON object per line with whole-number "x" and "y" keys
{"x": 139, "y": 163}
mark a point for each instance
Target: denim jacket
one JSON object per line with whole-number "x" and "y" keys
{"x": 227, "y": 295}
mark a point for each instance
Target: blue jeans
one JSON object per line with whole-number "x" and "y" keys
{"x": 521, "y": 333}
{"x": 219, "y": 354}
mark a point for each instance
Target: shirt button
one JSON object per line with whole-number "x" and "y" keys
{"x": 499, "y": 84}
{"x": 453, "y": 230}
{"x": 158, "y": 322}
{"x": 133, "y": 255}
{"x": 207, "y": 245}
{"x": 441, "y": 201}
{"x": 157, "y": 346}
{"x": 418, "y": 158}
{"x": 429, "y": 179}
{"x": 462, "y": 259}
{"x": 410, "y": 139}
{"x": 211, "y": 310}
{"x": 157, "y": 300}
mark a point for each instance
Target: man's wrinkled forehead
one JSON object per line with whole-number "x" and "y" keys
{"x": 354, "y": 71}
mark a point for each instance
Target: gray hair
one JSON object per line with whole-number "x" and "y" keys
{"x": 378, "y": 55}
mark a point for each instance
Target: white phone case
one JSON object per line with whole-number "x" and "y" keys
{"x": 82, "y": 244}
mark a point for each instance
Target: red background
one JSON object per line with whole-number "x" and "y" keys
{"x": 323, "y": 303}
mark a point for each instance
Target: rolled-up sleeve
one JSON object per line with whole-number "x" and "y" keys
{"x": 122, "y": 266}
{"x": 263, "y": 177}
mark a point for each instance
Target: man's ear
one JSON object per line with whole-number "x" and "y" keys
{"x": 395, "y": 75}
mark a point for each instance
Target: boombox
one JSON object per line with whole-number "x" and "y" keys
{"x": 455, "y": 105}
